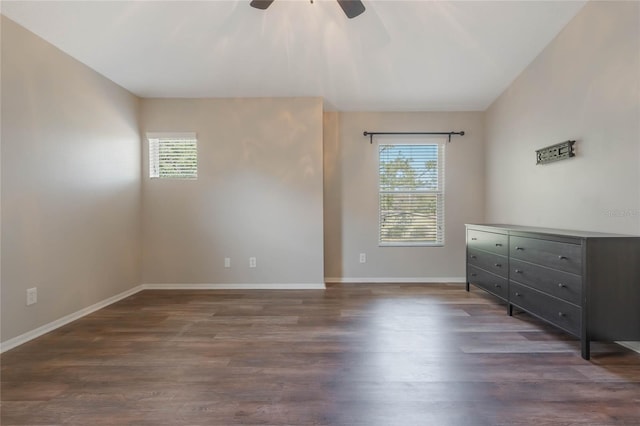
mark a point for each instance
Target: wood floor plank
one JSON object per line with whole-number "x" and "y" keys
{"x": 353, "y": 354}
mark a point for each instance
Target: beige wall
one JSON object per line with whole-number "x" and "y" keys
{"x": 351, "y": 196}
{"x": 583, "y": 86}
{"x": 258, "y": 193}
{"x": 70, "y": 184}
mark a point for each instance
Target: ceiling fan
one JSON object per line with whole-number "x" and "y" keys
{"x": 351, "y": 8}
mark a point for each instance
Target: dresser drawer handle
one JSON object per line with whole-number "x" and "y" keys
{"x": 473, "y": 239}
{"x": 474, "y": 274}
{"x": 561, "y": 257}
{"x": 518, "y": 271}
{"x": 473, "y": 256}
{"x": 562, "y": 314}
{"x": 519, "y": 248}
{"x": 497, "y": 265}
{"x": 561, "y": 285}
{"x": 517, "y": 294}
{"x": 498, "y": 245}
{"x": 497, "y": 285}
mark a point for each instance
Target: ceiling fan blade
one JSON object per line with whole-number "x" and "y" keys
{"x": 352, "y": 8}
{"x": 261, "y": 4}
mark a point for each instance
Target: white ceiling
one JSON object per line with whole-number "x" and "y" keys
{"x": 397, "y": 56}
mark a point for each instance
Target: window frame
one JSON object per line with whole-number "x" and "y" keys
{"x": 186, "y": 136}
{"x": 440, "y": 193}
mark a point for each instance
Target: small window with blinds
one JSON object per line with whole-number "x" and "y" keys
{"x": 173, "y": 156}
{"x": 411, "y": 190}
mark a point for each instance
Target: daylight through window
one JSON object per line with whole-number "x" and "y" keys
{"x": 173, "y": 156}
{"x": 411, "y": 191}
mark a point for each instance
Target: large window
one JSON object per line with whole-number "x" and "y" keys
{"x": 173, "y": 156}
{"x": 411, "y": 193}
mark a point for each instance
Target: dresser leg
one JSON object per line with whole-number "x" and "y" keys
{"x": 467, "y": 286}
{"x": 585, "y": 347}
{"x": 509, "y": 309}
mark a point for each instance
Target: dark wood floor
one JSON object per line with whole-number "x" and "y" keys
{"x": 351, "y": 355}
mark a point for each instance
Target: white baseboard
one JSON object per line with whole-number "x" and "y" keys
{"x": 409, "y": 280}
{"x": 634, "y": 346}
{"x": 236, "y": 286}
{"x": 30, "y": 335}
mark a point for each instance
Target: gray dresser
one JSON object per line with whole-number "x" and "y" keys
{"x": 585, "y": 283}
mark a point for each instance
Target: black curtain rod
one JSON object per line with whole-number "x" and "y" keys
{"x": 372, "y": 134}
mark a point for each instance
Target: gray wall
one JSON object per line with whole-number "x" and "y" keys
{"x": 70, "y": 184}
{"x": 583, "y": 86}
{"x": 258, "y": 193}
{"x": 351, "y": 196}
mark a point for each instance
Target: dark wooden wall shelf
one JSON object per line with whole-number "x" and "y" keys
{"x": 585, "y": 283}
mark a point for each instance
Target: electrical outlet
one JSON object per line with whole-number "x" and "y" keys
{"x": 227, "y": 262}
{"x": 252, "y": 262}
{"x": 363, "y": 257}
{"x": 32, "y": 296}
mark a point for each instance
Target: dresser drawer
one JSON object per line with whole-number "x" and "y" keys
{"x": 494, "y": 263}
{"x": 563, "y": 285}
{"x": 488, "y": 241}
{"x": 552, "y": 254}
{"x": 556, "y": 311}
{"x": 489, "y": 282}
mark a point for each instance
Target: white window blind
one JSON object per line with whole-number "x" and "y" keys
{"x": 173, "y": 156}
{"x": 411, "y": 194}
